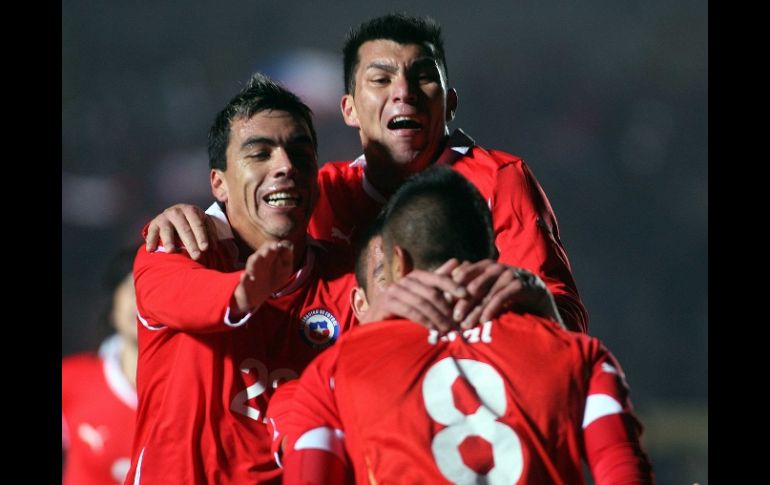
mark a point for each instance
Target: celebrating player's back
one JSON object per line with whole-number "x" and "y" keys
{"x": 513, "y": 400}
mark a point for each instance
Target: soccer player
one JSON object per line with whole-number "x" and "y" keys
{"x": 513, "y": 400}
{"x": 399, "y": 100}
{"x": 218, "y": 335}
{"x": 99, "y": 391}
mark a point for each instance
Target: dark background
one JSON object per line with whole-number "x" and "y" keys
{"x": 606, "y": 101}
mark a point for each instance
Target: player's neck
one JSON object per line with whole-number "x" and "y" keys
{"x": 384, "y": 178}
{"x": 387, "y": 176}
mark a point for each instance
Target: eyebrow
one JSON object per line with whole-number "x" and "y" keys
{"x": 258, "y": 140}
{"x": 419, "y": 62}
{"x": 298, "y": 139}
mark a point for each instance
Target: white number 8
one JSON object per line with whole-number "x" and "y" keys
{"x": 506, "y": 446}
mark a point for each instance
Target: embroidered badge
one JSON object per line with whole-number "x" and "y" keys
{"x": 319, "y": 328}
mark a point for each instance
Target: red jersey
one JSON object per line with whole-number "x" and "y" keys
{"x": 98, "y": 413}
{"x": 518, "y": 400}
{"x": 347, "y": 202}
{"x": 204, "y": 381}
{"x": 526, "y": 230}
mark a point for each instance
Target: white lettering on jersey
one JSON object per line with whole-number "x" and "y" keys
{"x": 440, "y": 405}
{"x": 473, "y": 335}
{"x": 240, "y": 405}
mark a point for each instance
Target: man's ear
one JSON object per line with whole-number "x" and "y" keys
{"x": 218, "y": 185}
{"x": 348, "y": 108}
{"x": 402, "y": 263}
{"x": 358, "y": 302}
{"x": 451, "y": 104}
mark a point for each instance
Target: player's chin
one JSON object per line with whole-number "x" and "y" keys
{"x": 289, "y": 228}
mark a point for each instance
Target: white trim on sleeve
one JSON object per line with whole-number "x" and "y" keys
{"x": 323, "y": 438}
{"x": 147, "y": 324}
{"x": 240, "y": 322}
{"x": 598, "y": 406}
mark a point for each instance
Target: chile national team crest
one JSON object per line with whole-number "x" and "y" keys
{"x": 319, "y": 328}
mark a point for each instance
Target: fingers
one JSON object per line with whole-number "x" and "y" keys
{"x": 211, "y": 230}
{"x": 495, "y": 288}
{"x": 478, "y": 279}
{"x": 518, "y": 289}
{"x": 167, "y": 235}
{"x": 160, "y": 231}
{"x": 500, "y": 301}
{"x": 472, "y": 318}
{"x": 269, "y": 258}
{"x": 492, "y": 293}
{"x": 438, "y": 281}
{"x": 466, "y": 272}
{"x": 266, "y": 270}
{"x": 153, "y": 233}
{"x": 448, "y": 267}
{"x": 188, "y": 222}
{"x": 419, "y": 299}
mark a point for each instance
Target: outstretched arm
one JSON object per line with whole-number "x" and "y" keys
{"x": 174, "y": 291}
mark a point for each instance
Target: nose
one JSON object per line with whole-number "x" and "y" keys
{"x": 404, "y": 90}
{"x": 283, "y": 166}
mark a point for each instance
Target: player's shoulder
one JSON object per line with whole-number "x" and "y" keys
{"x": 387, "y": 332}
{"x": 495, "y": 158}
{"x": 340, "y": 169}
{"x": 485, "y": 167}
{"x": 545, "y": 331}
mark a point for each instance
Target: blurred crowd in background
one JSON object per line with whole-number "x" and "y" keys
{"x": 606, "y": 102}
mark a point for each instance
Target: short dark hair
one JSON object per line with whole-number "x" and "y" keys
{"x": 398, "y": 27}
{"x": 437, "y": 215}
{"x": 362, "y": 249}
{"x": 260, "y": 94}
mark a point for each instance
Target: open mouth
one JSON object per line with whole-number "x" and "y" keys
{"x": 404, "y": 123}
{"x": 284, "y": 198}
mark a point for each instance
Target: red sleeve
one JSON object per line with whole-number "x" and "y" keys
{"x": 173, "y": 290}
{"x": 278, "y": 410}
{"x": 314, "y": 440}
{"x": 314, "y": 467}
{"x": 611, "y": 431}
{"x": 527, "y": 235}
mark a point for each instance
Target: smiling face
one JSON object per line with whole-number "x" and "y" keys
{"x": 400, "y": 104}
{"x": 269, "y": 186}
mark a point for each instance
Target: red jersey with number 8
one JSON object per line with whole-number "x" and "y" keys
{"x": 511, "y": 402}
